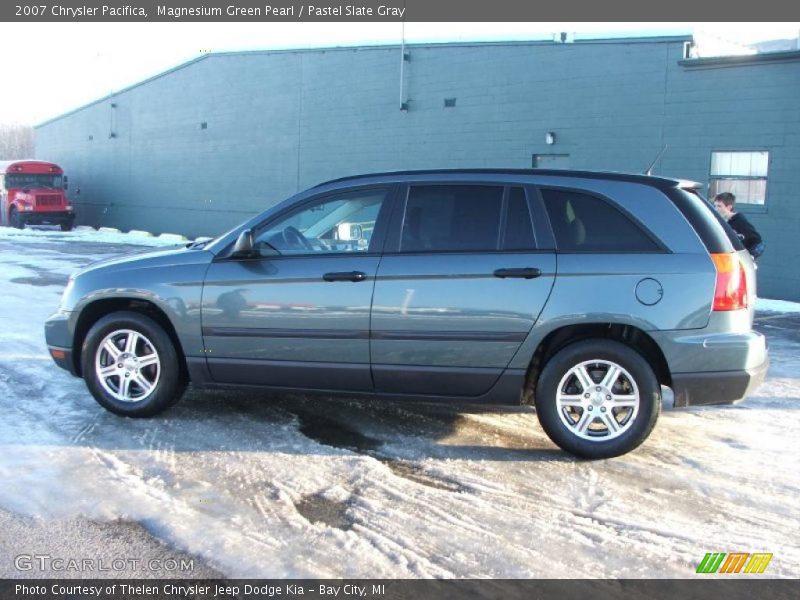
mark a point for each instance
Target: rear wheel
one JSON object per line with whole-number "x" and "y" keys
{"x": 598, "y": 399}
{"x": 15, "y": 219}
{"x": 131, "y": 365}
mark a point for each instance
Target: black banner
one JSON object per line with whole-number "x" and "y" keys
{"x": 388, "y": 10}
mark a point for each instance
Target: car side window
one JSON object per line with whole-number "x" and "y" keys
{"x": 586, "y": 223}
{"x": 442, "y": 218}
{"x": 343, "y": 223}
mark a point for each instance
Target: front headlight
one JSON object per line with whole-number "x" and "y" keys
{"x": 27, "y": 208}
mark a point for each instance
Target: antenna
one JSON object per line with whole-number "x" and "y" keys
{"x": 649, "y": 170}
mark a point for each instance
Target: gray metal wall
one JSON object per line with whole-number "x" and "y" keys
{"x": 278, "y": 122}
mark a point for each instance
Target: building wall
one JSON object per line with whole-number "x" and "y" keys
{"x": 278, "y": 122}
{"x": 750, "y": 108}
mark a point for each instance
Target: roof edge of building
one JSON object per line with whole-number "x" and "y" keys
{"x": 469, "y": 44}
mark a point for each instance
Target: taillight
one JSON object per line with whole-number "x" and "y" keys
{"x": 730, "y": 292}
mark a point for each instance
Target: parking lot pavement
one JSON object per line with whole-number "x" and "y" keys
{"x": 253, "y": 484}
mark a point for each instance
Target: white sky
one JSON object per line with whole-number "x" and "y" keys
{"x": 66, "y": 65}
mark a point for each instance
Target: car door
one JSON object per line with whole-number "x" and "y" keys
{"x": 459, "y": 288}
{"x": 296, "y": 313}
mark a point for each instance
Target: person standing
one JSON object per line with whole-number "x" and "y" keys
{"x": 725, "y": 203}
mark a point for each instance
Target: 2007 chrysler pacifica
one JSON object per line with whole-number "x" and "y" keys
{"x": 579, "y": 292}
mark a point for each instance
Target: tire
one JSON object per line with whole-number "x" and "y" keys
{"x": 131, "y": 365}
{"x": 15, "y": 220}
{"x": 66, "y": 225}
{"x": 615, "y": 418}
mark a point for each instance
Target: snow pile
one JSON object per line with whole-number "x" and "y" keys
{"x": 88, "y": 234}
{"x": 777, "y": 306}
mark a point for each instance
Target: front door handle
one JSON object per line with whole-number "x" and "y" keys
{"x": 525, "y": 273}
{"x": 345, "y": 276}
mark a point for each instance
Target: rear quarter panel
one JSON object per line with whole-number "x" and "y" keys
{"x": 595, "y": 287}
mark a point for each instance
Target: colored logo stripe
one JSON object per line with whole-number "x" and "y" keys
{"x": 713, "y": 562}
{"x": 758, "y": 563}
{"x": 735, "y": 562}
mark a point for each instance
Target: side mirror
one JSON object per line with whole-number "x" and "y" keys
{"x": 66, "y": 183}
{"x": 349, "y": 232}
{"x": 243, "y": 247}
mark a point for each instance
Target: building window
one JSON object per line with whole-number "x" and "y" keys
{"x": 742, "y": 173}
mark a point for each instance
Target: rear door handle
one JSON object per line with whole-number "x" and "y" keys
{"x": 525, "y": 273}
{"x": 345, "y": 276}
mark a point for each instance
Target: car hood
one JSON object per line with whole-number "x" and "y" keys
{"x": 160, "y": 257}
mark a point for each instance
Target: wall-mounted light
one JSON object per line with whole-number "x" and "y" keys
{"x": 550, "y": 138}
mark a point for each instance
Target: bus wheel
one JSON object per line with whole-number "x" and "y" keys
{"x": 15, "y": 220}
{"x": 66, "y": 225}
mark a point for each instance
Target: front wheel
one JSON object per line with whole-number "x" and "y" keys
{"x": 66, "y": 225}
{"x": 131, "y": 365}
{"x": 598, "y": 399}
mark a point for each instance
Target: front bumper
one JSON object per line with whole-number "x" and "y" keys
{"x": 58, "y": 335}
{"x": 63, "y": 358}
{"x": 720, "y": 387}
{"x": 47, "y": 218}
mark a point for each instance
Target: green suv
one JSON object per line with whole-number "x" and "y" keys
{"x": 584, "y": 294}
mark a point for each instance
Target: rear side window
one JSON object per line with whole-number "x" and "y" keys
{"x": 441, "y": 218}
{"x": 715, "y": 233}
{"x": 584, "y": 223}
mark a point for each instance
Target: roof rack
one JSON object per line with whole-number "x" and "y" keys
{"x": 661, "y": 182}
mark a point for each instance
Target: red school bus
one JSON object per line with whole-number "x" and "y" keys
{"x": 34, "y": 192}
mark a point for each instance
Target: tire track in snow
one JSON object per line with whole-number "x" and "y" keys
{"x": 169, "y": 504}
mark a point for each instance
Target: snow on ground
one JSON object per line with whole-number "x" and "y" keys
{"x": 779, "y": 306}
{"x": 255, "y": 484}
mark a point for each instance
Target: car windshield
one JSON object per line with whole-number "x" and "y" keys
{"x": 34, "y": 180}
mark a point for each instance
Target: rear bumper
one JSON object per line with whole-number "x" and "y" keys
{"x": 721, "y": 387}
{"x": 714, "y": 365}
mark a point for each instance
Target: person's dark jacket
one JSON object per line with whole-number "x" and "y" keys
{"x": 750, "y": 237}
